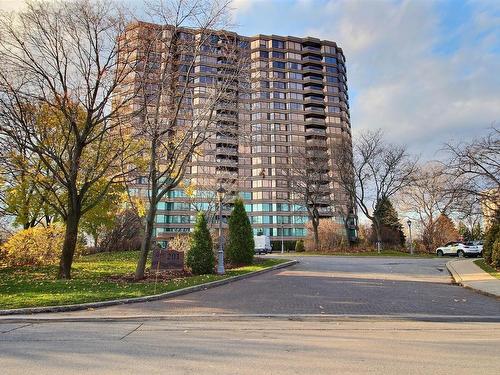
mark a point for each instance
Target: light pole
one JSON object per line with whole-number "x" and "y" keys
{"x": 282, "y": 230}
{"x": 411, "y": 241}
{"x": 220, "y": 266}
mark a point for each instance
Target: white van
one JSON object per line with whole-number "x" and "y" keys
{"x": 262, "y": 244}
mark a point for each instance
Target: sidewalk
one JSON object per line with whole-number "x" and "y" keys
{"x": 467, "y": 274}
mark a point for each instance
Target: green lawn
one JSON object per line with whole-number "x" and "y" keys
{"x": 384, "y": 253}
{"x": 30, "y": 287}
{"x": 486, "y": 267}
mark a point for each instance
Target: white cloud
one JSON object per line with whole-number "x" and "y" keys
{"x": 422, "y": 83}
{"x": 9, "y": 5}
{"x": 403, "y": 86}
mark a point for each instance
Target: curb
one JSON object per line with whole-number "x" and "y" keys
{"x": 155, "y": 297}
{"x": 458, "y": 280}
{"x": 252, "y": 317}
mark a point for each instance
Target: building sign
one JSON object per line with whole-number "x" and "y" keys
{"x": 164, "y": 259}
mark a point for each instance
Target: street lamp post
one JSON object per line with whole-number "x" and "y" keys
{"x": 282, "y": 244}
{"x": 411, "y": 241}
{"x": 220, "y": 266}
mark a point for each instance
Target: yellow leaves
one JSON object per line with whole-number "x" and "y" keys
{"x": 189, "y": 189}
{"x": 139, "y": 205}
{"x": 34, "y": 246}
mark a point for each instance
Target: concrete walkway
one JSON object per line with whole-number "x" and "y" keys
{"x": 471, "y": 276}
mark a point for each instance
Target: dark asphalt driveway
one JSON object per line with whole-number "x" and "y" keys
{"x": 331, "y": 285}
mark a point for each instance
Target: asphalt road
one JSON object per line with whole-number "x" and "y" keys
{"x": 331, "y": 286}
{"x": 326, "y": 315}
{"x": 258, "y": 346}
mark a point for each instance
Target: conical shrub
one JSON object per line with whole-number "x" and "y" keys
{"x": 200, "y": 257}
{"x": 240, "y": 247}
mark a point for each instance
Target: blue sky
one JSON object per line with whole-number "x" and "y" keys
{"x": 427, "y": 72}
{"x": 424, "y": 71}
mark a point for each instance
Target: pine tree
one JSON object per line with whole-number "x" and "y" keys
{"x": 391, "y": 228}
{"x": 299, "y": 246}
{"x": 240, "y": 247}
{"x": 464, "y": 232}
{"x": 200, "y": 257}
{"x": 491, "y": 253}
{"x": 477, "y": 232}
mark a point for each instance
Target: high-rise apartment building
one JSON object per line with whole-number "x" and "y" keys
{"x": 288, "y": 102}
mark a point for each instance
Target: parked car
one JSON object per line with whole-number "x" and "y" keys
{"x": 475, "y": 245}
{"x": 459, "y": 249}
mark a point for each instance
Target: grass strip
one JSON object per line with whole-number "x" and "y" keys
{"x": 37, "y": 286}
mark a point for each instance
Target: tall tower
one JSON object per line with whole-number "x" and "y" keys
{"x": 289, "y": 101}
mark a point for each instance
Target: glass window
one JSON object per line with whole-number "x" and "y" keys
{"x": 295, "y": 86}
{"x": 294, "y": 56}
{"x": 279, "y": 105}
{"x": 330, "y": 60}
{"x": 292, "y": 75}
{"x": 332, "y": 69}
{"x": 278, "y": 44}
{"x": 279, "y": 64}
{"x": 295, "y": 106}
{"x": 245, "y": 44}
{"x": 279, "y": 85}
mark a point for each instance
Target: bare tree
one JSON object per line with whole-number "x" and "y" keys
{"x": 376, "y": 170}
{"x": 175, "y": 120}
{"x": 309, "y": 180}
{"x": 58, "y": 75}
{"x": 478, "y": 163}
{"x": 432, "y": 193}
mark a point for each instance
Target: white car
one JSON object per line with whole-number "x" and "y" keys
{"x": 459, "y": 249}
{"x": 477, "y": 246}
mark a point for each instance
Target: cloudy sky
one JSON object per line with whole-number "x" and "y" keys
{"x": 424, "y": 71}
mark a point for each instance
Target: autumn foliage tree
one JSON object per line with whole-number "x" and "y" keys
{"x": 445, "y": 231}
{"x": 58, "y": 76}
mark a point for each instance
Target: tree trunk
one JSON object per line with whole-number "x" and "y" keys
{"x": 69, "y": 245}
{"x": 96, "y": 240}
{"x": 146, "y": 242}
{"x": 378, "y": 232}
{"x": 315, "y": 225}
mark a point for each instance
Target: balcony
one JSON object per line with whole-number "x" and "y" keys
{"x": 316, "y": 132}
{"x": 229, "y": 162}
{"x": 312, "y": 68}
{"x": 317, "y": 100}
{"x": 315, "y": 121}
{"x": 227, "y": 139}
{"x": 317, "y": 143}
{"x": 312, "y": 57}
{"x": 315, "y": 109}
{"x": 226, "y": 151}
{"x": 311, "y": 48}
{"x": 227, "y": 117}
